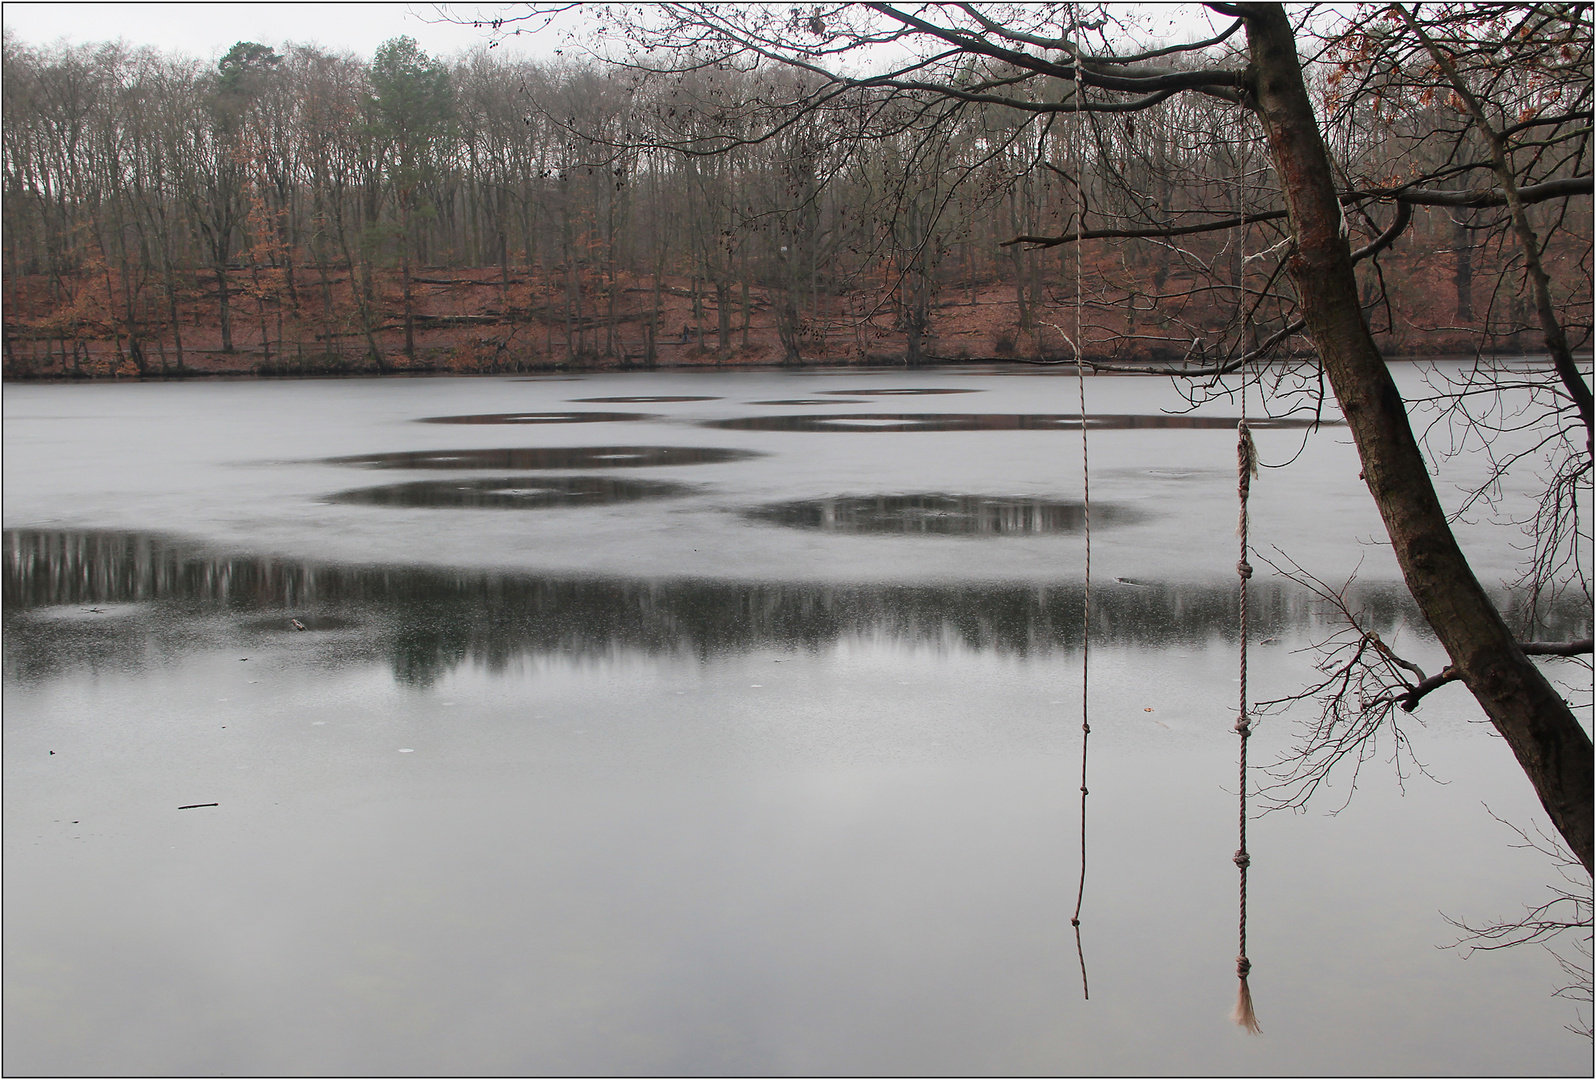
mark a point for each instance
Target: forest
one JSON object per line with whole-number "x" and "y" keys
{"x": 292, "y": 210}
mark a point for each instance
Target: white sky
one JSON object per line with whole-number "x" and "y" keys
{"x": 207, "y": 31}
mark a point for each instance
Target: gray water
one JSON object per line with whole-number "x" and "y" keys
{"x": 737, "y": 733}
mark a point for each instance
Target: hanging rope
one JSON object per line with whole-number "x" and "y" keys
{"x": 1086, "y": 503}
{"x": 1086, "y": 651}
{"x": 1246, "y": 469}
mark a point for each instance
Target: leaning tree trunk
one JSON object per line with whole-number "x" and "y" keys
{"x": 1552, "y": 748}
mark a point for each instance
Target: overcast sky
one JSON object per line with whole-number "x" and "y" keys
{"x": 207, "y": 31}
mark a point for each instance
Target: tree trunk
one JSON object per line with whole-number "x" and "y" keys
{"x": 362, "y": 298}
{"x": 410, "y": 308}
{"x": 655, "y": 314}
{"x": 743, "y": 255}
{"x": 723, "y": 313}
{"x": 570, "y": 330}
{"x": 916, "y": 315}
{"x": 1463, "y": 267}
{"x": 611, "y": 333}
{"x": 1537, "y": 724}
{"x": 177, "y": 323}
{"x": 226, "y": 309}
{"x": 260, "y": 311}
{"x": 504, "y": 270}
{"x": 322, "y": 257}
{"x": 698, "y": 311}
{"x": 1018, "y": 228}
{"x": 408, "y": 241}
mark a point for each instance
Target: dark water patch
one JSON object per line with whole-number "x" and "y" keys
{"x": 548, "y": 457}
{"x": 907, "y": 391}
{"x": 511, "y": 493}
{"x": 893, "y": 422}
{"x": 938, "y": 515}
{"x": 899, "y": 422}
{"x": 809, "y": 401}
{"x": 537, "y": 418}
{"x": 995, "y": 422}
{"x": 645, "y": 399}
{"x": 424, "y": 621}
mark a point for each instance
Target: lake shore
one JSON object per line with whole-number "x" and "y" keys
{"x": 470, "y": 323}
{"x": 245, "y": 365}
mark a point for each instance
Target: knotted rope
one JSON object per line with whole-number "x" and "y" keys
{"x": 1246, "y": 469}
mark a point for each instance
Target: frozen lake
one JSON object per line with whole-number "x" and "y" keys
{"x": 713, "y": 723}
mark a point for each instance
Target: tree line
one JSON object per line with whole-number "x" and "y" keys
{"x": 308, "y": 207}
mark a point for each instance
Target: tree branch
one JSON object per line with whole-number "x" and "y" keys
{"x": 1411, "y": 698}
{"x": 1475, "y": 197}
{"x": 1072, "y": 72}
{"x": 1070, "y": 106}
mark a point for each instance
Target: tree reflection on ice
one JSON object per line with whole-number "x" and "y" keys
{"x": 427, "y": 620}
{"x": 938, "y": 514}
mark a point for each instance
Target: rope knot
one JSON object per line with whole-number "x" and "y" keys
{"x": 1243, "y": 727}
{"x": 1075, "y": 922}
{"x": 1246, "y": 459}
{"x": 1242, "y": 859}
{"x": 1243, "y": 966}
{"x": 1244, "y": 568}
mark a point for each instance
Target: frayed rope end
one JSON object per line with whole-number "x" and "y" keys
{"x": 1246, "y": 454}
{"x": 1244, "y": 1015}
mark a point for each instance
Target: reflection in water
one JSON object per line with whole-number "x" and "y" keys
{"x": 548, "y": 457}
{"x": 996, "y": 422}
{"x": 646, "y": 398}
{"x": 424, "y": 620}
{"x": 906, "y": 391}
{"x": 536, "y": 418}
{"x": 945, "y": 515}
{"x": 512, "y": 492}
